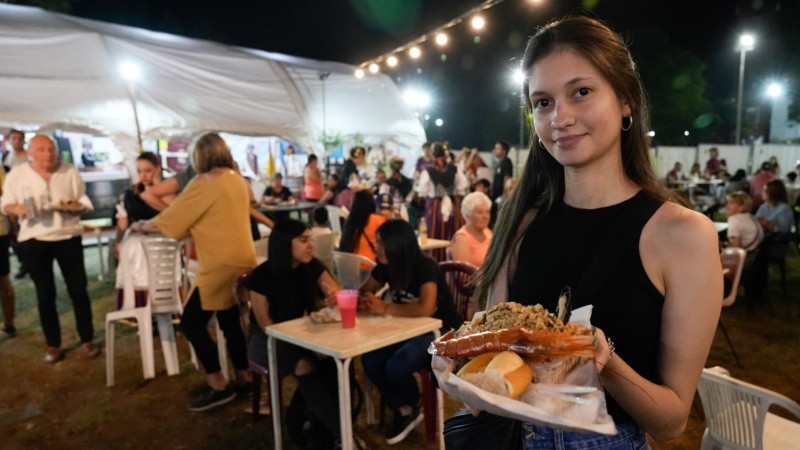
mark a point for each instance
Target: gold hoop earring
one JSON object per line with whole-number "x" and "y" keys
{"x": 630, "y": 123}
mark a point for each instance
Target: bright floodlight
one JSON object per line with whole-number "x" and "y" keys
{"x": 414, "y": 52}
{"x": 391, "y": 61}
{"x": 774, "y": 90}
{"x": 417, "y": 99}
{"x": 130, "y": 70}
{"x": 478, "y": 22}
{"x": 747, "y": 42}
{"x": 651, "y": 133}
{"x": 359, "y": 73}
{"x": 686, "y": 133}
{"x": 373, "y": 68}
{"x": 518, "y": 76}
{"x": 441, "y": 39}
{"x": 439, "y": 122}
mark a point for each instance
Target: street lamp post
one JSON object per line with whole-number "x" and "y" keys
{"x": 746, "y": 43}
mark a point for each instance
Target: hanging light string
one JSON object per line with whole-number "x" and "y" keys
{"x": 390, "y": 57}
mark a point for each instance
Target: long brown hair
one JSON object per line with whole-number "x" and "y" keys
{"x": 211, "y": 151}
{"x": 542, "y": 181}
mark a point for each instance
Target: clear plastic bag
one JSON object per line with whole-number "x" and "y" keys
{"x": 567, "y": 393}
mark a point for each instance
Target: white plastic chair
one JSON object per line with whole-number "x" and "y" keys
{"x": 733, "y": 260}
{"x": 323, "y": 249}
{"x": 334, "y": 217}
{"x": 352, "y": 270}
{"x": 738, "y": 417}
{"x": 262, "y": 247}
{"x": 163, "y": 300}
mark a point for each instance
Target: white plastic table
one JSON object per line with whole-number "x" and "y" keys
{"x": 370, "y": 333}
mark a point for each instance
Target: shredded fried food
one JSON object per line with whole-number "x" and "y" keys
{"x": 511, "y": 314}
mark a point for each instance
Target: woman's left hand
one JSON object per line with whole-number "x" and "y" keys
{"x": 372, "y": 304}
{"x": 603, "y": 349}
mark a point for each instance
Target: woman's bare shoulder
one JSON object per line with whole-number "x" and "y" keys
{"x": 674, "y": 227}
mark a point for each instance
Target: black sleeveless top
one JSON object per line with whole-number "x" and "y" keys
{"x": 556, "y": 251}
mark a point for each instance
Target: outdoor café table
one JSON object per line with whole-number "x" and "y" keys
{"x": 370, "y": 333}
{"x": 298, "y": 207}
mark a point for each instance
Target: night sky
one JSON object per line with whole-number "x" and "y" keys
{"x": 471, "y": 89}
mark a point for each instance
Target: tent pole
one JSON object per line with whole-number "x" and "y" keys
{"x": 132, "y": 91}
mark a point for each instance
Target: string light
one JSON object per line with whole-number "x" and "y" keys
{"x": 477, "y": 21}
{"x": 359, "y": 73}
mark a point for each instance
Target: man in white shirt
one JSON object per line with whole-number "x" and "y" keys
{"x": 49, "y": 197}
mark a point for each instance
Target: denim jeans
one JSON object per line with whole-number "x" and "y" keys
{"x": 392, "y": 369}
{"x": 629, "y": 437}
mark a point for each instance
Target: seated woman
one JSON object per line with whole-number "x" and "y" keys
{"x": 359, "y": 231}
{"x": 417, "y": 288}
{"x": 285, "y": 287}
{"x": 132, "y": 208}
{"x": 744, "y": 231}
{"x": 471, "y": 242}
{"x": 776, "y": 217}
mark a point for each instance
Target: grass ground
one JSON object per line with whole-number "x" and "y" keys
{"x": 67, "y": 406}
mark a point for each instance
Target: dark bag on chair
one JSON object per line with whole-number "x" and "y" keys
{"x": 463, "y": 431}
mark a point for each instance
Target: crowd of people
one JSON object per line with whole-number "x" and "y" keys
{"x": 529, "y": 236}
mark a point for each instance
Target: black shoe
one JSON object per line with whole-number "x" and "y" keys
{"x": 212, "y": 398}
{"x": 402, "y": 425}
{"x": 10, "y": 331}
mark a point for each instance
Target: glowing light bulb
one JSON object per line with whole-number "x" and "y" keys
{"x": 391, "y": 61}
{"x": 441, "y": 39}
{"x": 359, "y": 73}
{"x": 478, "y": 22}
{"x": 414, "y": 52}
{"x": 373, "y": 68}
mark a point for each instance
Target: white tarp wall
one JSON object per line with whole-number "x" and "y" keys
{"x": 59, "y": 71}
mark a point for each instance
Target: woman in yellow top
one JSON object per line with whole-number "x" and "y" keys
{"x": 214, "y": 208}
{"x": 360, "y": 230}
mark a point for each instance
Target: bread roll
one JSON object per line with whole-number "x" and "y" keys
{"x": 503, "y": 373}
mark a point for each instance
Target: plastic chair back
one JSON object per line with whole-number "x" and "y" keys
{"x": 164, "y": 272}
{"x": 335, "y": 218}
{"x": 351, "y": 269}
{"x": 736, "y": 413}
{"x": 459, "y": 277}
{"x": 733, "y": 260}
{"x": 323, "y": 249}
{"x": 262, "y": 247}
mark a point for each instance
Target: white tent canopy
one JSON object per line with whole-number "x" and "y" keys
{"x": 59, "y": 71}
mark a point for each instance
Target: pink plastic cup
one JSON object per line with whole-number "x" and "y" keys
{"x": 347, "y": 299}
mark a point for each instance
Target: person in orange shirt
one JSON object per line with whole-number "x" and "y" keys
{"x": 471, "y": 242}
{"x": 360, "y": 230}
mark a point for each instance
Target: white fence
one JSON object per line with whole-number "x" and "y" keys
{"x": 735, "y": 156}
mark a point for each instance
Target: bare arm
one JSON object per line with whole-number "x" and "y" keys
{"x": 260, "y": 306}
{"x": 680, "y": 255}
{"x": 16, "y": 210}
{"x": 459, "y": 249}
{"x": 329, "y": 286}
{"x": 425, "y": 307}
{"x": 154, "y": 195}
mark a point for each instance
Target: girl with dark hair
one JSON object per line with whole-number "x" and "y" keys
{"x": 359, "y": 231}
{"x": 417, "y": 288}
{"x": 350, "y": 169}
{"x": 587, "y": 168}
{"x": 290, "y": 284}
{"x": 443, "y": 186}
{"x": 131, "y": 207}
